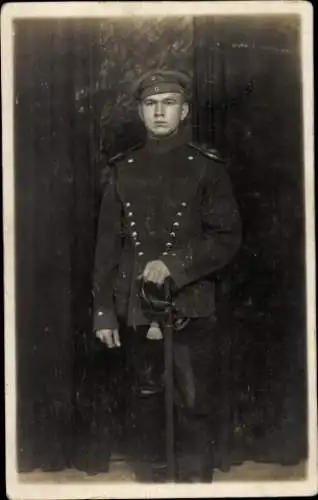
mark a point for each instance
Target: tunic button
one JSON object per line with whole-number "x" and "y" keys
{"x": 184, "y": 204}
{"x": 99, "y": 313}
{"x": 168, "y": 244}
{"x": 140, "y": 254}
{"x": 164, "y": 253}
{"x": 179, "y": 214}
{"x": 133, "y": 223}
{"x": 128, "y": 204}
{"x": 176, "y": 224}
{"x": 137, "y": 243}
{"x": 190, "y": 157}
{"x": 173, "y": 234}
{"x": 130, "y": 214}
{"x": 134, "y": 234}
{"x": 130, "y": 160}
{"x": 173, "y": 254}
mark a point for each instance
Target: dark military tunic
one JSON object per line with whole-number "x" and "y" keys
{"x": 167, "y": 201}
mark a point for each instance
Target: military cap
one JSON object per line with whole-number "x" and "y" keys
{"x": 161, "y": 81}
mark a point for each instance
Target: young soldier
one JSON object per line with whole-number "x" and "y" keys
{"x": 168, "y": 212}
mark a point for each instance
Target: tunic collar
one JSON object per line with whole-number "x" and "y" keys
{"x": 165, "y": 144}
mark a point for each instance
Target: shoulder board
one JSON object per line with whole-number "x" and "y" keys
{"x": 123, "y": 154}
{"x": 213, "y": 154}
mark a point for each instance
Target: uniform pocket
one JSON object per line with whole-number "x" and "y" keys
{"x": 197, "y": 300}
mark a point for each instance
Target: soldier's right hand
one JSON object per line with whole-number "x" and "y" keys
{"x": 110, "y": 337}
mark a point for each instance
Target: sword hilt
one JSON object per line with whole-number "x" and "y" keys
{"x": 157, "y": 299}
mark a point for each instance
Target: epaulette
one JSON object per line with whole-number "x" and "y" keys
{"x": 120, "y": 156}
{"x": 211, "y": 153}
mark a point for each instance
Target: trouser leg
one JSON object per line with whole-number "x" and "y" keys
{"x": 145, "y": 408}
{"x": 194, "y": 447}
{"x": 194, "y": 358}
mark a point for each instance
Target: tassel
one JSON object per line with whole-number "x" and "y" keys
{"x": 154, "y": 332}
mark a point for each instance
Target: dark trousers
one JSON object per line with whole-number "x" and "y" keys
{"x": 195, "y": 356}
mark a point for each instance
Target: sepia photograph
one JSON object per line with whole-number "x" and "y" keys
{"x": 159, "y": 249}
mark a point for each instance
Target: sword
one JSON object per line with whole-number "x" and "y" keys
{"x": 169, "y": 386}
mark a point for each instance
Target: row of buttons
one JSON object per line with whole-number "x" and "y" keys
{"x": 134, "y": 234}
{"x": 169, "y": 244}
{"x": 175, "y": 226}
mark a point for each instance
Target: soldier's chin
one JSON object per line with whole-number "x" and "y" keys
{"x": 161, "y": 130}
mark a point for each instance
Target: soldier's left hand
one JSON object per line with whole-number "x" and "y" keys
{"x": 156, "y": 271}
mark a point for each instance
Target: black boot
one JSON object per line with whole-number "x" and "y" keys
{"x": 195, "y": 469}
{"x": 194, "y": 448}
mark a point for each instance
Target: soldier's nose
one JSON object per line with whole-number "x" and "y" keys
{"x": 159, "y": 110}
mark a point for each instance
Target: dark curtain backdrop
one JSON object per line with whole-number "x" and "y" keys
{"x": 72, "y": 111}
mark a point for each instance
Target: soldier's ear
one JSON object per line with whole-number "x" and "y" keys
{"x": 184, "y": 111}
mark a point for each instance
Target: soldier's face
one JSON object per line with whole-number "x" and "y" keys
{"x": 162, "y": 113}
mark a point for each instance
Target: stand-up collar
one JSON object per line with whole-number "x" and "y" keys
{"x": 165, "y": 144}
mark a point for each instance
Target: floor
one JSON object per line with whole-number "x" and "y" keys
{"x": 120, "y": 472}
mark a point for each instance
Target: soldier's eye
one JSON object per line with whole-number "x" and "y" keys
{"x": 149, "y": 103}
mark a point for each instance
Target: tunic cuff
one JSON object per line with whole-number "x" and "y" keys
{"x": 105, "y": 319}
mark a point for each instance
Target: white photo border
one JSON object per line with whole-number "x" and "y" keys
{"x": 13, "y": 11}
